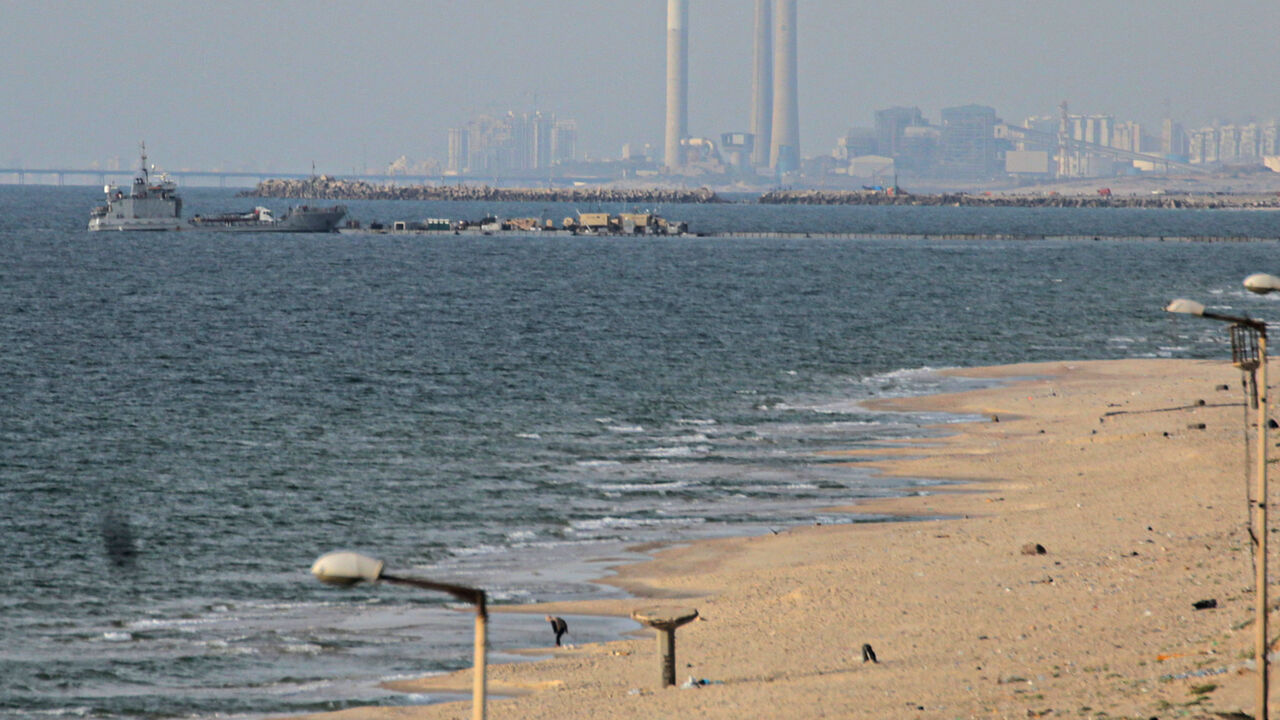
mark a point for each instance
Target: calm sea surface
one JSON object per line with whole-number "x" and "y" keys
{"x": 509, "y": 412}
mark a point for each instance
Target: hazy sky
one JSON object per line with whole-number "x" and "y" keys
{"x": 277, "y": 84}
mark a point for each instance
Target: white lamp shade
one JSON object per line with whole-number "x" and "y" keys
{"x": 1262, "y": 283}
{"x": 346, "y": 568}
{"x": 1183, "y": 305}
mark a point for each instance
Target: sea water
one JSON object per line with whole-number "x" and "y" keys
{"x": 190, "y": 419}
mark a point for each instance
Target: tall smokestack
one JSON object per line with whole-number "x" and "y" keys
{"x": 762, "y": 85}
{"x": 677, "y": 79}
{"x": 784, "y": 146}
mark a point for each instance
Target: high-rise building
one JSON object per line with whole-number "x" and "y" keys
{"x": 1204, "y": 145}
{"x": 1096, "y": 129}
{"x": 457, "y": 151}
{"x": 1270, "y": 139}
{"x": 564, "y": 142}
{"x": 513, "y": 143}
{"x": 1173, "y": 139}
{"x": 1250, "y": 145}
{"x": 1228, "y": 144}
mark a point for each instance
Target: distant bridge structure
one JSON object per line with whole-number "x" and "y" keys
{"x": 89, "y": 176}
{"x": 59, "y": 176}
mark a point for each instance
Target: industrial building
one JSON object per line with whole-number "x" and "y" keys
{"x": 964, "y": 145}
{"x": 967, "y": 145}
{"x": 891, "y": 126}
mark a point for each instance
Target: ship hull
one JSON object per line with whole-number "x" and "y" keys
{"x": 298, "y": 220}
{"x": 135, "y": 224}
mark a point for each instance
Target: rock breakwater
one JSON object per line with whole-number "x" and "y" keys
{"x": 327, "y": 188}
{"x": 1163, "y": 202}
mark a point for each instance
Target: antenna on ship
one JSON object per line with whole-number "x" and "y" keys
{"x": 142, "y": 146}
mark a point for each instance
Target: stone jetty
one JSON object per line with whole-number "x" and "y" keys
{"x": 328, "y": 188}
{"x": 1210, "y": 201}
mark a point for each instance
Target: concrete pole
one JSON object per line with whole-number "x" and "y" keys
{"x": 667, "y": 653}
{"x": 677, "y": 80}
{"x": 665, "y": 621}
{"x": 784, "y": 146}
{"x": 762, "y": 85}
{"x": 1260, "y": 612}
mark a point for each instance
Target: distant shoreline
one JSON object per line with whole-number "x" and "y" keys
{"x": 327, "y": 188}
{"x": 1215, "y": 201}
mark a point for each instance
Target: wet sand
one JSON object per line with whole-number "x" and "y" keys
{"x": 1141, "y": 513}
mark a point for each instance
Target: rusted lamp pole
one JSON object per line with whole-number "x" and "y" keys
{"x": 1249, "y": 353}
{"x": 348, "y": 568}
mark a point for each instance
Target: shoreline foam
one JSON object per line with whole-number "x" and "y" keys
{"x": 1142, "y": 515}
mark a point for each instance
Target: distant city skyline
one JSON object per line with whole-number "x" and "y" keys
{"x": 242, "y": 85}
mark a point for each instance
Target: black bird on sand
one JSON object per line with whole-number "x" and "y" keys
{"x": 558, "y": 626}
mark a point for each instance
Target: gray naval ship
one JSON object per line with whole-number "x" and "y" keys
{"x": 302, "y": 218}
{"x": 154, "y": 204}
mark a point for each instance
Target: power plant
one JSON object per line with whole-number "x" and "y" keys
{"x": 774, "y": 138}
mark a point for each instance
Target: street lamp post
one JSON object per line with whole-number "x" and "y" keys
{"x": 348, "y": 568}
{"x": 1249, "y": 353}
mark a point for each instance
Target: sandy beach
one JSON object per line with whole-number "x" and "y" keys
{"x": 1131, "y": 475}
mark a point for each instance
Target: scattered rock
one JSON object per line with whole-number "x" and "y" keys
{"x": 1033, "y": 549}
{"x": 1205, "y": 604}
